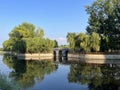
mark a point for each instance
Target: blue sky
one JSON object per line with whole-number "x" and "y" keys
{"x": 56, "y": 17}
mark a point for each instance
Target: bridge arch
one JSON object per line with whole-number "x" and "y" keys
{"x": 60, "y": 54}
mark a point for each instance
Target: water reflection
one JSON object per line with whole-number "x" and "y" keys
{"x": 27, "y": 72}
{"x": 98, "y": 77}
{"x": 68, "y": 76}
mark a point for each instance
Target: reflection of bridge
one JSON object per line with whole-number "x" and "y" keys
{"x": 60, "y": 54}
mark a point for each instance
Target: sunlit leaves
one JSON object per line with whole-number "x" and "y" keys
{"x": 71, "y": 40}
{"x": 25, "y": 38}
{"x": 104, "y": 20}
{"x": 84, "y": 42}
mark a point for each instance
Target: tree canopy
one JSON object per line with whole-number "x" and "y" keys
{"x": 84, "y": 42}
{"x": 25, "y": 38}
{"x": 104, "y": 19}
{"x": 103, "y": 30}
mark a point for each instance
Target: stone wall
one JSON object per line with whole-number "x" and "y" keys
{"x": 95, "y": 56}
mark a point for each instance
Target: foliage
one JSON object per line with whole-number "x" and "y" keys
{"x": 103, "y": 31}
{"x": 55, "y": 44}
{"x": 8, "y": 45}
{"x": 71, "y": 40}
{"x": 95, "y": 41}
{"x": 84, "y": 42}
{"x": 104, "y": 20}
{"x": 26, "y": 39}
{"x": 39, "y": 33}
{"x": 25, "y": 30}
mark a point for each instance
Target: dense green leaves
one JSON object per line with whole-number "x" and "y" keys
{"x": 26, "y": 39}
{"x": 84, "y": 42}
{"x": 70, "y": 40}
{"x": 25, "y": 30}
{"x": 95, "y": 42}
{"x": 39, "y": 33}
{"x": 103, "y": 31}
{"x": 105, "y": 20}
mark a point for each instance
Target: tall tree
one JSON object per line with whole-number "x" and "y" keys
{"x": 104, "y": 20}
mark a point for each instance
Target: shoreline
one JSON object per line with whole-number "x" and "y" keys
{"x": 76, "y": 56}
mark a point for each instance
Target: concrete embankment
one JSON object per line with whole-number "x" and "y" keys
{"x": 79, "y": 56}
{"x": 35, "y": 56}
{"x": 96, "y": 58}
{"x": 86, "y": 58}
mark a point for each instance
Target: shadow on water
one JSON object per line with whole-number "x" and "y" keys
{"x": 27, "y": 72}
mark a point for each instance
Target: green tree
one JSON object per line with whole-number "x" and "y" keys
{"x": 104, "y": 20}
{"x": 55, "y": 44}
{"x": 24, "y": 39}
{"x": 9, "y": 44}
{"x": 25, "y": 30}
{"x": 95, "y": 41}
{"x": 71, "y": 40}
{"x": 82, "y": 42}
{"x": 39, "y": 33}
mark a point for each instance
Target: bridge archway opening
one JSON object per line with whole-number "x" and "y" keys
{"x": 60, "y": 55}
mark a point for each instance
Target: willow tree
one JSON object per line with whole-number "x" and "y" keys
{"x": 82, "y": 42}
{"x": 95, "y": 42}
{"x": 71, "y": 40}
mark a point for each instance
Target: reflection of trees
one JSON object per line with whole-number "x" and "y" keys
{"x": 26, "y": 72}
{"x": 98, "y": 77}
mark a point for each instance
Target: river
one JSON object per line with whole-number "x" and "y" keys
{"x": 49, "y": 75}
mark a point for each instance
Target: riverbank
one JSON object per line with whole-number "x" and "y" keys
{"x": 95, "y": 56}
{"x": 35, "y": 56}
{"x": 38, "y": 56}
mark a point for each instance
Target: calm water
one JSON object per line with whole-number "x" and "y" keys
{"x": 46, "y": 75}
